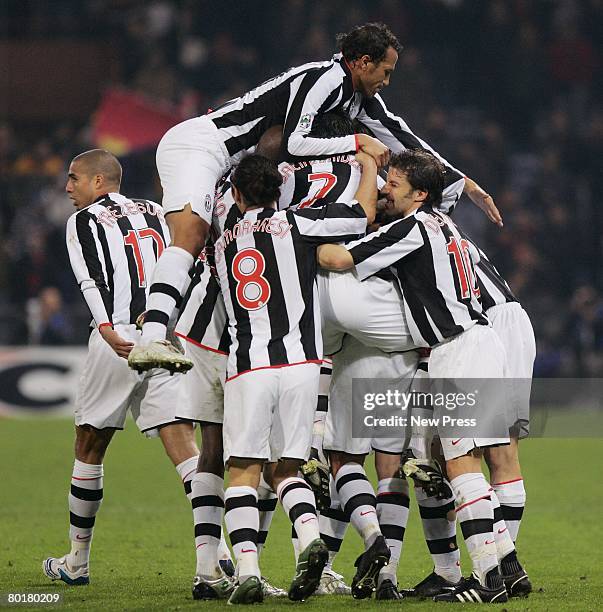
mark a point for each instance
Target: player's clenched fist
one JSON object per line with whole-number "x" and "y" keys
{"x": 373, "y": 147}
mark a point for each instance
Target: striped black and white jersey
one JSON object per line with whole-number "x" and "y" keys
{"x": 295, "y": 97}
{"x": 493, "y": 288}
{"x": 266, "y": 261}
{"x": 203, "y": 320}
{"x": 434, "y": 266}
{"x": 113, "y": 246}
{"x": 319, "y": 182}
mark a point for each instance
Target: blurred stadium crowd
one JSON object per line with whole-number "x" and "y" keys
{"x": 509, "y": 91}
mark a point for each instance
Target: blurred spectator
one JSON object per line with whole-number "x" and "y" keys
{"x": 508, "y": 92}
{"x": 48, "y": 322}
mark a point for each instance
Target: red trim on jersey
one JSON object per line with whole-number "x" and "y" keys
{"x": 472, "y": 502}
{"x": 495, "y": 484}
{"x": 328, "y": 361}
{"x": 78, "y": 478}
{"x": 357, "y": 145}
{"x": 203, "y": 346}
{"x": 283, "y": 365}
{"x": 105, "y": 325}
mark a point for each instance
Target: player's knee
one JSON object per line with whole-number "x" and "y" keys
{"x": 387, "y": 465}
{"x": 502, "y": 457}
{"x": 338, "y": 459}
{"x": 91, "y": 444}
{"x": 211, "y": 458}
{"x": 285, "y": 468}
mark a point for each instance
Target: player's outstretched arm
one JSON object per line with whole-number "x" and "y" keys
{"x": 367, "y": 193}
{"x": 334, "y": 257}
{"x": 483, "y": 201}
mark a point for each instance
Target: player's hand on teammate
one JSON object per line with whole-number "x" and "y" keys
{"x": 365, "y": 159}
{"x": 483, "y": 200}
{"x": 116, "y": 342}
{"x": 373, "y": 147}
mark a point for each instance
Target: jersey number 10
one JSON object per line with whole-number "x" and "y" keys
{"x": 464, "y": 267}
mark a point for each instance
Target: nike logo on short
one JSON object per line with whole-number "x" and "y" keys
{"x": 246, "y": 550}
{"x": 312, "y": 518}
{"x": 202, "y": 544}
{"x": 489, "y": 542}
{"x": 502, "y": 530}
{"x": 77, "y": 537}
{"x": 455, "y": 442}
{"x": 368, "y": 512}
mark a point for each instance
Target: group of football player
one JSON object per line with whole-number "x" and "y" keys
{"x": 289, "y": 241}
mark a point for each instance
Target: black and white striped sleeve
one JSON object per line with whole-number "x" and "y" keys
{"x": 312, "y": 93}
{"x": 385, "y": 247}
{"x": 334, "y": 222}
{"x": 394, "y": 132}
{"x": 86, "y": 262}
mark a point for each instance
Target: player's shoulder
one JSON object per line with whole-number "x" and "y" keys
{"x": 433, "y": 219}
{"x": 331, "y": 69}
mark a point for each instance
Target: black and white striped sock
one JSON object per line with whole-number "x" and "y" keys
{"x": 504, "y": 542}
{"x": 267, "y": 501}
{"x": 476, "y": 517}
{"x": 85, "y": 497}
{"x": 392, "y": 513}
{"x": 170, "y": 282}
{"x": 333, "y": 523}
{"x": 439, "y": 528}
{"x": 358, "y": 499}
{"x": 298, "y": 501}
{"x": 208, "y": 511}
{"x": 242, "y": 522}
{"x": 512, "y": 497}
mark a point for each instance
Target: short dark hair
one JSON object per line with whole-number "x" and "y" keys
{"x": 331, "y": 125}
{"x": 99, "y": 161}
{"x": 423, "y": 170}
{"x": 258, "y": 180}
{"x": 372, "y": 39}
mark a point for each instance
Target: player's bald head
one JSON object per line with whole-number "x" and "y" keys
{"x": 99, "y": 161}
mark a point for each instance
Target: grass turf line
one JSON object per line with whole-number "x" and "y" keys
{"x": 143, "y": 555}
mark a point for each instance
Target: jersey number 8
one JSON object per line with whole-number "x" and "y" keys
{"x": 252, "y": 290}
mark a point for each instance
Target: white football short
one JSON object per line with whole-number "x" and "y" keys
{"x": 201, "y": 396}
{"x": 356, "y": 360}
{"x": 512, "y": 324}
{"x": 191, "y": 158}
{"x": 475, "y": 353}
{"x": 108, "y": 388}
{"x": 370, "y": 311}
{"x": 269, "y": 413}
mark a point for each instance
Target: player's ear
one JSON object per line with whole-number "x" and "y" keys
{"x": 365, "y": 60}
{"x": 421, "y": 195}
{"x": 98, "y": 180}
{"x": 236, "y": 194}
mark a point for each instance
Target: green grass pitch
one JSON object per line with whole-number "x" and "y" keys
{"x": 143, "y": 553}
